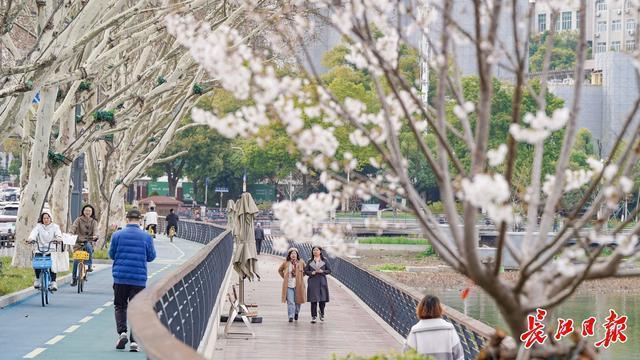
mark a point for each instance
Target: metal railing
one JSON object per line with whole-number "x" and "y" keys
{"x": 173, "y": 318}
{"x": 393, "y": 302}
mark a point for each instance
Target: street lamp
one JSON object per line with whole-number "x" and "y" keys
{"x": 244, "y": 175}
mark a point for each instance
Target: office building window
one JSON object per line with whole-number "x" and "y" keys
{"x": 602, "y": 26}
{"x": 631, "y": 25}
{"x": 631, "y": 45}
{"x": 601, "y": 47}
{"x": 558, "y": 23}
{"x": 542, "y": 22}
{"x": 601, "y": 5}
{"x": 615, "y": 46}
{"x": 578, "y": 19}
{"x": 616, "y": 25}
{"x": 627, "y": 4}
{"x": 566, "y": 20}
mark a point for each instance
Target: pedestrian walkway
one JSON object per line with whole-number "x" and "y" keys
{"x": 78, "y": 326}
{"x": 348, "y": 327}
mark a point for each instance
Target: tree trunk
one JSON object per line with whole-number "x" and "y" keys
{"x": 35, "y": 191}
{"x": 172, "y": 177}
{"x": 114, "y": 217}
{"x": 60, "y": 197}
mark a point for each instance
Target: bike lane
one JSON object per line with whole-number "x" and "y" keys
{"x": 79, "y": 326}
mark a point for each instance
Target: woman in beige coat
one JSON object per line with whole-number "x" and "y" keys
{"x": 293, "y": 289}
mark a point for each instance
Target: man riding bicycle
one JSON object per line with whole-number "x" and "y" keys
{"x": 172, "y": 221}
{"x": 151, "y": 221}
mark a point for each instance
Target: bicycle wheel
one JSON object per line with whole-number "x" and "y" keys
{"x": 43, "y": 288}
{"x": 79, "y": 276}
{"x": 46, "y": 289}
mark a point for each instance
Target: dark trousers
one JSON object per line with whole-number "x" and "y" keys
{"x": 122, "y": 295}
{"x": 314, "y": 308}
{"x": 38, "y": 271}
{"x": 259, "y": 245}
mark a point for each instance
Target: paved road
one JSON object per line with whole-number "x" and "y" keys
{"x": 78, "y": 326}
{"x": 348, "y": 326}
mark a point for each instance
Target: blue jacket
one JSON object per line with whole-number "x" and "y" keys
{"x": 131, "y": 249}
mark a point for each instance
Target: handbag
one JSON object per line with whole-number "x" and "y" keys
{"x": 60, "y": 261}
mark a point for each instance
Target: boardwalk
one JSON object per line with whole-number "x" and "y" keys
{"x": 348, "y": 327}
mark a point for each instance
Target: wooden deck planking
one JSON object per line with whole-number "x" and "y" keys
{"x": 348, "y": 327}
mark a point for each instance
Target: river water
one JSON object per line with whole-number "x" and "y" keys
{"x": 579, "y": 307}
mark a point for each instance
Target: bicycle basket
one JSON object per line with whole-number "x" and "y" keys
{"x": 80, "y": 255}
{"x": 41, "y": 262}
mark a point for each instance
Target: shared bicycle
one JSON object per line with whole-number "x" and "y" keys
{"x": 172, "y": 232}
{"x": 43, "y": 263}
{"x": 81, "y": 256}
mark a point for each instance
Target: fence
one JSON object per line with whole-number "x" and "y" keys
{"x": 174, "y": 318}
{"x": 394, "y": 303}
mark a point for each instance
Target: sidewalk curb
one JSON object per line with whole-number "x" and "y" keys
{"x": 18, "y": 296}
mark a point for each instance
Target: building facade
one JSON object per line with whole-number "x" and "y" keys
{"x": 611, "y": 25}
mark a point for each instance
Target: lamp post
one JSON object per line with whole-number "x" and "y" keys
{"x": 244, "y": 175}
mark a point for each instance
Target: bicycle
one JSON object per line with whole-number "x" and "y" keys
{"x": 151, "y": 230}
{"x": 172, "y": 232}
{"x": 81, "y": 255}
{"x": 43, "y": 263}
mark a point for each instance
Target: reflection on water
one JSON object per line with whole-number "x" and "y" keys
{"x": 579, "y": 307}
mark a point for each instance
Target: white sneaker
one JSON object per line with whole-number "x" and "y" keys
{"x": 36, "y": 283}
{"x": 122, "y": 341}
{"x": 133, "y": 347}
{"x": 53, "y": 286}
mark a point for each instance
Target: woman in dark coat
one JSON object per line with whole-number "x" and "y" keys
{"x": 317, "y": 269}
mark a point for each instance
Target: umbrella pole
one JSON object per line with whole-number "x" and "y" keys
{"x": 241, "y": 304}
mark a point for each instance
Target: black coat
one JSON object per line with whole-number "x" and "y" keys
{"x": 259, "y": 233}
{"x": 317, "y": 286}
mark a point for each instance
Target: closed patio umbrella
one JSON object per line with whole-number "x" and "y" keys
{"x": 231, "y": 217}
{"x": 245, "y": 257}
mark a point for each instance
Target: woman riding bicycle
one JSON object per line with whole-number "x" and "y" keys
{"x": 86, "y": 227}
{"x": 45, "y": 232}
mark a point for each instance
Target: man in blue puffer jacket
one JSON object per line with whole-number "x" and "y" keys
{"x": 131, "y": 249}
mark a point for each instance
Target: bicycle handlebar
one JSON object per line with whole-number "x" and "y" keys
{"x": 42, "y": 250}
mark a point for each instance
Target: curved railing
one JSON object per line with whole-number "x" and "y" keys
{"x": 177, "y": 317}
{"x": 394, "y": 303}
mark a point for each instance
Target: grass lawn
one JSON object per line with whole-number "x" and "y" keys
{"x": 101, "y": 253}
{"x": 14, "y": 279}
{"x": 395, "y": 240}
{"x": 390, "y": 267}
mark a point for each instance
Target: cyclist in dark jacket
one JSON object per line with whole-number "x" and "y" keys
{"x": 172, "y": 220}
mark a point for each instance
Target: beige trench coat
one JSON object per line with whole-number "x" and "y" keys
{"x": 301, "y": 291}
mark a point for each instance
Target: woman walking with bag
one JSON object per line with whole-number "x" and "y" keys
{"x": 293, "y": 289}
{"x": 45, "y": 232}
{"x": 317, "y": 270}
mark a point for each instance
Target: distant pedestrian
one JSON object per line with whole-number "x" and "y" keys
{"x": 293, "y": 289}
{"x": 131, "y": 249}
{"x": 317, "y": 269}
{"x": 433, "y": 335}
{"x": 259, "y": 233}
